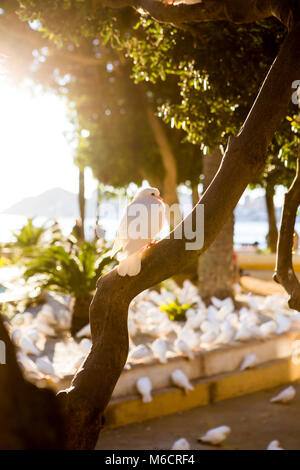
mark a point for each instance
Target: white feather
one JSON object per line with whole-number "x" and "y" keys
{"x": 141, "y": 223}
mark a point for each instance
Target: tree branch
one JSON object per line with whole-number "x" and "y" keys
{"x": 246, "y": 11}
{"x": 284, "y": 273}
{"x": 244, "y": 158}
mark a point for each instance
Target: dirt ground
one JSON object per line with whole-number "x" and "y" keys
{"x": 254, "y": 422}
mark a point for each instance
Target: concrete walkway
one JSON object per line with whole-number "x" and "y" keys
{"x": 253, "y": 419}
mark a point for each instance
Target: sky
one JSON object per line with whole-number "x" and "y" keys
{"x": 35, "y": 155}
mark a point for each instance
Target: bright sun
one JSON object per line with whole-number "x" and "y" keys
{"x": 34, "y": 152}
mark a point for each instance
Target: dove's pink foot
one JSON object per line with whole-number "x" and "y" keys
{"x": 152, "y": 243}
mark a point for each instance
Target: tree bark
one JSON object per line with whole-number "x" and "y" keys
{"x": 284, "y": 272}
{"x": 215, "y": 266}
{"x": 169, "y": 162}
{"x": 80, "y": 312}
{"x": 92, "y": 386}
{"x": 195, "y": 195}
{"x": 272, "y": 235}
{"x": 30, "y": 417}
{"x": 81, "y": 200}
{"x": 247, "y": 11}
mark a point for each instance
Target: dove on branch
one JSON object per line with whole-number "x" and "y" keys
{"x": 141, "y": 223}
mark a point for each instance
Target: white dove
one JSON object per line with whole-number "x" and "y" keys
{"x": 159, "y": 348}
{"x": 85, "y": 345}
{"x": 274, "y": 445}
{"x": 143, "y": 220}
{"x": 180, "y": 379}
{"x": 144, "y": 387}
{"x": 285, "y": 396}
{"x": 183, "y": 348}
{"x": 139, "y": 352}
{"x": 45, "y": 366}
{"x": 28, "y": 347}
{"x": 267, "y": 328}
{"x": 181, "y": 444}
{"x": 84, "y": 332}
{"x": 216, "y": 435}
{"x": 249, "y": 361}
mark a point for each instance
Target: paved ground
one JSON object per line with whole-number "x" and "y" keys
{"x": 253, "y": 419}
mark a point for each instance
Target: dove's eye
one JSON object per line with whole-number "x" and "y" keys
{"x": 152, "y": 194}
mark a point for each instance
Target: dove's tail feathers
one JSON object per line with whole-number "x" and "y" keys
{"x": 147, "y": 398}
{"x": 188, "y": 388}
{"x": 130, "y": 265}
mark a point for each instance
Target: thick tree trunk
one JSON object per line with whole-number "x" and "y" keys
{"x": 30, "y": 417}
{"x": 215, "y": 268}
{"x": 81, "y": 200}
{"x": 272, "y": 235}
{"x": 284, "y": 272}
{"x": 195, "y": 195}
{"x": 169, "y": 162}
{"x": 80, "y": 312}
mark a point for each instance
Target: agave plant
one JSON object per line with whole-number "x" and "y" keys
{"x": 29, "y": 235}
{"x": 72, "y": 272}
{"x": 175, "y": 310}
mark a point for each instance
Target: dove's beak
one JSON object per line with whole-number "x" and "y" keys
{"x": 160, "y": 198}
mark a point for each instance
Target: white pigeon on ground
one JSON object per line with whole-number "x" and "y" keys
{"x": 274, "y": 445}
{"x": 216, "y": 436}
{"x": 180, "y": 379}
{"x": 283, "y": 322}
{"x": 144, "y": 387}
{"x": 159, "y": 348}
{"x": 267, "y": 328}
{"x": 181, "y": 444}
{"x": 28, "y": 347}
{"x": 249, "y": 361}
{"x": 139, "y": 352}
{"x": 26, "y": 363}
{"x": 45, "y": 366}
{"x": 84, "y": 332}
{"x": 226, "y": 335}
{"x": 85, "y": 345}
{"x": 143, "y": 220}
{"x": 285, "y": 396}
{"x": 183, "y": 348}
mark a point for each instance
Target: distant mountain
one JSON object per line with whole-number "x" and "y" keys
{"x": 55, "y": 202}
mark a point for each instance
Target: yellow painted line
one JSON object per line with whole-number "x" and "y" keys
{"x": 128, "y": 410}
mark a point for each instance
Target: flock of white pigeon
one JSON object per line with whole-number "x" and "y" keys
{"x": 153, "y": 336}
{"x": 217, "y": 435}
